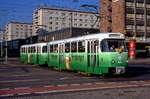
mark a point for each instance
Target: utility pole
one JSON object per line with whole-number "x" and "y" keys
{"x": 6, "y": 57}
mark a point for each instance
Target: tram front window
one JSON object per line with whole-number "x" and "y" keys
{"x": 109, "y": 45}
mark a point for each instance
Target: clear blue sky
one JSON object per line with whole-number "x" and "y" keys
{"x": 22, "y": 10}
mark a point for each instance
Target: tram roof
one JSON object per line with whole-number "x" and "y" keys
{"x": 91, "y": 36}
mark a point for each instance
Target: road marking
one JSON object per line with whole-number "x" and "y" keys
{"x": 5, "y": 89}
{"x": 22, "y": 88}
{"x": 87, "y": 83}
{"x": 15, "y": 75}
{"x": 11, "y": 81}
{"x": 6, "y": 95}
{"x": 23, "y": 93}
{"x": 62, "y": 85}
{"x": 74, "y": 84}
{"x": 49, "y": 86}
{"x": 63, "y": 78}
{"x": 72, "y": 87}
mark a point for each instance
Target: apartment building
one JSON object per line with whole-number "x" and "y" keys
{"x": 55, "y": 19}
{"x": 2, "y": 32}
{"x": 131, "y": 17}
{"x": 18, "y": 30}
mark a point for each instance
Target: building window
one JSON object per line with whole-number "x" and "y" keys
{"x": 75, "y": 19}
{"x": 50, "y": 28}
{"x": 80, "y": 19}
{"x": 63, "y": 14}
{"x": 50, "y": 22}
{"x": 50, "y": 12}
{"x": 56, "y": 28}
{"x": 56, "y": 23}
{"x": 75, "y": 24}
{"x": 50, "y": 17}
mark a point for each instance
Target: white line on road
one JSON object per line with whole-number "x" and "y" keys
{"x": 11, "y": 81}
{"x": 5, "y": 89}
{"x": 22, "y": 88}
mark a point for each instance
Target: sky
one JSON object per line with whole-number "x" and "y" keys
{"x": 22, "y": 10}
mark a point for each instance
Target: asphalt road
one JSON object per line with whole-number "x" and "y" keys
{"x": 17, "y": 75}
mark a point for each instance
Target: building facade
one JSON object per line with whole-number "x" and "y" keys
{"x": 131, "y": 17}
{"x": 2, "y": 32}
{"x": 18, "y": 30}
{"x": 56, "y": 19}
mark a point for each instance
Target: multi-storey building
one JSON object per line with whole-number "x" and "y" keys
{"x": 2, "y": 32}
{"x": 131, "y": 17}
{"x": 56, "y": 19}
{"x": 18, "y": 30}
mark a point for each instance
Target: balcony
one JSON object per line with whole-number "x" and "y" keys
{"x": 148, "y": 22}
{"x": 129, "y": 21}
{"x": 140, "y": 22}
{"x": 140, "y": 10}
{"x": 140, "y": 1}
{"x": 148, "y": 11}
{"x": 129, "y": 0}
{"x": 130, "y": 10}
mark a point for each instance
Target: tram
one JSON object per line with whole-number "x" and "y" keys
{"x": 95, "y": 54}
{"x": 101, "y": 53}
{"x": 34, "y": 53}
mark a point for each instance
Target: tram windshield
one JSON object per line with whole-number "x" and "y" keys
{"x": 113, "y": 45}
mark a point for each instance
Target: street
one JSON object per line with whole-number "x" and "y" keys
{"x": 17, "y": 77}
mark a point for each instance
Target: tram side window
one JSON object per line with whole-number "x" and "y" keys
{"x": 67, "y": 47}
{"x": 51, "y": 48}
{"x": 34, "y": 49}
{"x": 44, "y": 49}
{"x": 104, "y": 47}
{"x": 81, "y": 46}
{"x": 55, "y": 48}
{"x": 28, "y": 49}
{"x": 22, "y": 50}
{"x": 61, "y": 48}
{"x": 74, "y": 47}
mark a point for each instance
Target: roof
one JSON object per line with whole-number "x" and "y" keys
{"x": 36, "y": 44}
{"x": 67, "y": 10}
{"x": 21, "y": 23}
{"x": 91, "y": 36}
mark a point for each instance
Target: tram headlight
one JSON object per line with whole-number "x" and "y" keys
{"x": 113, "y": 61}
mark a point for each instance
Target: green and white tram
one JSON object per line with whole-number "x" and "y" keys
{"x": 95, "y": 54}
{"x": 34, "y": 53}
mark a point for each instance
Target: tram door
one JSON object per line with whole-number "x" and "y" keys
{"x": 62, "y": 55}
{"x": 38, "y": 53}
{"x": 92, "y": 54}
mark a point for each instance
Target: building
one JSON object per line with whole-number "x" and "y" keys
{"x": 18, "y": 30}
{"x": 131, "y": 17}
{"x": 56, "y": 19}
{"x": 2, "y": 32}
{"x": 65, "y": 33}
